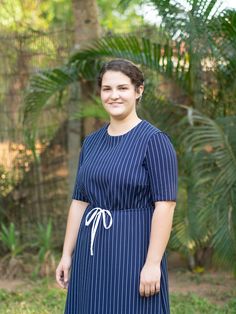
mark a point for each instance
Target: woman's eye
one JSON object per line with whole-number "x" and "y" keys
{"x": 123, "y": 88}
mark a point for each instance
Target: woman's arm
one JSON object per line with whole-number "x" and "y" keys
{"x": 75, "y": 214}
{"x": 160, "y": 230}
{"x": 160, "y": 233}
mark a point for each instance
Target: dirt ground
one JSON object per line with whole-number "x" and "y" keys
{"x": 217, "y": 287}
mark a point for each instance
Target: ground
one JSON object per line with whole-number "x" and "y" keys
{"x": 217, "y": 287}
{"x": 211, "y": 292}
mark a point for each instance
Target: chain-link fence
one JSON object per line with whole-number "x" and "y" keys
{"x": 32, "y": 192}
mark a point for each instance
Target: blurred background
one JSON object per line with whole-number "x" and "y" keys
{"x": 51, "y": 52}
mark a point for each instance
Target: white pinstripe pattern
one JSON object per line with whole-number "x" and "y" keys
{"x": 125, "y": 175}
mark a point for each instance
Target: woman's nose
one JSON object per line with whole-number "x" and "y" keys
{"x": 114, "y": 94}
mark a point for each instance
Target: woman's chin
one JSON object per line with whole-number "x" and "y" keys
{"x": 116, "y": 113}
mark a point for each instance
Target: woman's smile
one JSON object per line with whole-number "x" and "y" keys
{"x": 115, "y": 103}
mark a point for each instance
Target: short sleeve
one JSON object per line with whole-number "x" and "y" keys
{"x": 78, "y": 192}
{"x": 162, "y": 166}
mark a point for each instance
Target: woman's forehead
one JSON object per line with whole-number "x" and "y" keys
{"x": 115, "y": 78}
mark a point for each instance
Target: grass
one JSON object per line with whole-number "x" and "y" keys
{"x": 44, "y": 297}
{"x": 192, "y": 304}
{"x": 41, "y": 298}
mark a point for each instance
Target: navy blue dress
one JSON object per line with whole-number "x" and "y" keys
{"x": 120, "y": 177}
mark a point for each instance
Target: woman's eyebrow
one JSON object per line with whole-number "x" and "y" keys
{"x": 118, "y": 85}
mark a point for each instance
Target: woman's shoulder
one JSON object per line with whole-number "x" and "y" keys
{"x": 157, "y": 141}
{"x": 153, "y": 131}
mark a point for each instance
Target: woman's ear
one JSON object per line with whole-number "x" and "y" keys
{"x": 140, "y": 91}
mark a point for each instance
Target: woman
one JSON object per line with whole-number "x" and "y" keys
{"x": 121, "y": 214}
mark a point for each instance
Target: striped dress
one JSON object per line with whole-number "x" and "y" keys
{"x": 120, "y": 177}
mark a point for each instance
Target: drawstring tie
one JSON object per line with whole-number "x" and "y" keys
{"x": 96, "y": 213}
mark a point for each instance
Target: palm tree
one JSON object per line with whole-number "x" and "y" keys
{"x": 198, "y": 49}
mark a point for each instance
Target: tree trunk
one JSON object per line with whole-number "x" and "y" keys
{"x": 87, "y": 28}
{"x": 86, "y": 22}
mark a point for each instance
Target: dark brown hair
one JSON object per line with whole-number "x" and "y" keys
{"x": 126, "y": 67}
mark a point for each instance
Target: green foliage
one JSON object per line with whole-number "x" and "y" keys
{"x": 21, "y": 16}
{"x": 91, "y": 108}
{"x": 5, "y": 181}
{"x": 208, "y": 34}
{"x": 191, "y": 226}
{"x": 44, "y": 244}
{"x": 44, "y": 239}
{"x": 213, "y": 147}
{"x": 10, "y": 240}
{"x": 45, "y": 90}
{"x": 112, "y": 19}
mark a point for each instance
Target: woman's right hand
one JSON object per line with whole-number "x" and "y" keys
{"x": 62, "y": 271}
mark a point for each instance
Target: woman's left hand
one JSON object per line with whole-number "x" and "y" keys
{"x": 150, "y": 277}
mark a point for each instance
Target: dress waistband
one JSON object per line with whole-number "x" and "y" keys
{"x": 94, "y": 215}
{"x": 122, "y": 209}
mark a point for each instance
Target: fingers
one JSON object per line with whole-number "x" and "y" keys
{"x": 62, "y": 271}
{"x": 66, "y": 279}
{"x": 147, "y": 290}
{"x": 152, "y": 289}
{"x": 59, "y": 277}
{"x": 142, "y": 290}
{"x": 62, "y": 277}
{"x": 157, "y": 287}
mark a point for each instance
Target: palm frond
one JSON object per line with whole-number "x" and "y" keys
{"x": 208, "y": 132}
{"x": 42, "y": 86}
{"x": 164, "y": 58}
{"x": 212, "y": 139}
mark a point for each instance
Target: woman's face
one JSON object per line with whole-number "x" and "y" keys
{"x": 118, "y": 94}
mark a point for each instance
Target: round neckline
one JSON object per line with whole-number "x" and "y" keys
{"x": 121, "y": 135}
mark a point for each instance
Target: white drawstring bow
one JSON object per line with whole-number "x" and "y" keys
{"x": 96, "y": 213}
